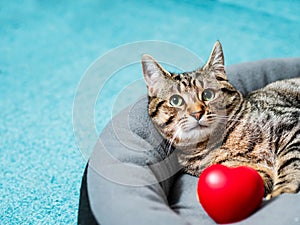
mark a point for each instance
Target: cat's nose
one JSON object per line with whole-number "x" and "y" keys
{"x": 197, "y": 115}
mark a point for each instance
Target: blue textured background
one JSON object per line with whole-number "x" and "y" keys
{"x": 45, "y": 47}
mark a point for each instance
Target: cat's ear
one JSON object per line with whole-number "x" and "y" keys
{"x": 154, "y": 73}
{"x": 216, "y": 61}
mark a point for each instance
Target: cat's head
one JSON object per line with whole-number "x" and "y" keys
{"x": 187, "y": 107}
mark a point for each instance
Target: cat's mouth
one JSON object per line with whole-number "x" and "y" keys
{"x": 199, "y": 125}
{"x": 202, "y": 124}
{"x": 194, "y": 133}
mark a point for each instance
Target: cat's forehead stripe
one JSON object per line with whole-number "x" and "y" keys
{"x": 187, "y": 80}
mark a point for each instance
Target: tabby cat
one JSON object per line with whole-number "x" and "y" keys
{"x": 210, "y": 122}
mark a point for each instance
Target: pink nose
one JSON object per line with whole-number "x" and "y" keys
{"x": 197, "y": 115}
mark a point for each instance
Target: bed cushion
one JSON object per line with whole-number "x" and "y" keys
{"x": 130, "y": 179}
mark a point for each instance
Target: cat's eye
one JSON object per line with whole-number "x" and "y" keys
{"x": 176, "y": 101}
{"x": 208, "y": 95}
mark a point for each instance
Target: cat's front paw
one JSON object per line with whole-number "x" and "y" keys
{"x": 281, "y": 190}
{"x": 271, "y": 195}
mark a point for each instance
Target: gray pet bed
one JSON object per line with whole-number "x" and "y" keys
{"x": 131, "y": 181}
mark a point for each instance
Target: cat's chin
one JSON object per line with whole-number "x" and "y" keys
{"x": 194, "y": 136}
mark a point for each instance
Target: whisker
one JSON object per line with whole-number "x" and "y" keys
{"x": 171, "y": 141}
{"x": 227, "y": 118}
{"x": 222, "y": 119}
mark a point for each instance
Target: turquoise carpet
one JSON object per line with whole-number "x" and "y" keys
{"x": 45, "y": 48}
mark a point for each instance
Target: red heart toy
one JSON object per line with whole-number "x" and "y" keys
{"x": 230, "y": 194}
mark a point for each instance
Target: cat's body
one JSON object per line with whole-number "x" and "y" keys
{"x": 210, "y": 122}
{"x": 264, "y": 133}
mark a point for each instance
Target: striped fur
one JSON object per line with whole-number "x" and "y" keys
{"x": 261, "y": 130}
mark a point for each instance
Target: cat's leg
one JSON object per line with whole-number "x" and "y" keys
{"x": 288, "y": 184}
{"x": 267, "y": 176}
{"x": 265, "y": 172}
{"x": 287, "y": 179}
{"x": 226, "y": 158}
